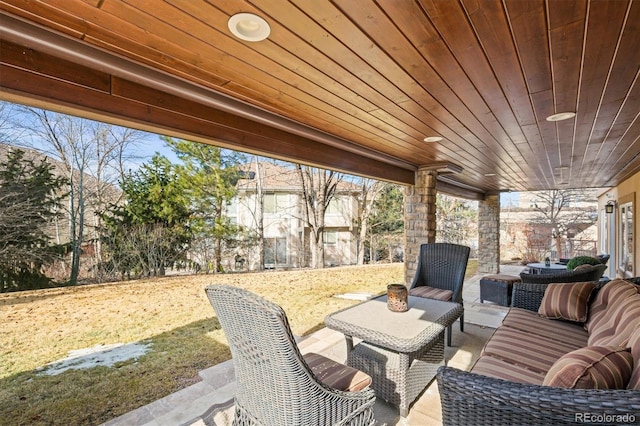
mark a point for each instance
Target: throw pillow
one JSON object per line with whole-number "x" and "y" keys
{"x": 585, "y": 267}
{"x": 623, "y": 318}
{"x": 567, "y": 301}
{"x": 610, "y": 294}
{"x": 592, "y": 367}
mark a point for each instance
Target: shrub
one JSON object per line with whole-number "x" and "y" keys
{"x": 582, "y": 260}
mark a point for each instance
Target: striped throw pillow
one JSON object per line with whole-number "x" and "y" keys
{"x": 610, "y": 294}
{"x": 567, "y": 301}
{"x": 592, "y": 367}
{"x": 623, "y": 318}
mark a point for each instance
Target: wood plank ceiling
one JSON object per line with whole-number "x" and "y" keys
{"x": 354, "y": 85}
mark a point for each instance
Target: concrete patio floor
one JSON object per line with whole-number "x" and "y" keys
{"x": 204, "y": 403}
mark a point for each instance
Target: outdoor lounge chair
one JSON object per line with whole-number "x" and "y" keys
{"x": 276, "y": 385}
{"x": 440, "y": 275}
{"x": 585, "y": 273}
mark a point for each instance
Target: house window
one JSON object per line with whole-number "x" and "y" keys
{"x": 330, "y": 237}
{"x": 334, "y": 206}
{"x": 275, "y": 203}
{"x": 231, "y": 211}
{"x": 625, "y": 263}
{"x": 275, "y": 251}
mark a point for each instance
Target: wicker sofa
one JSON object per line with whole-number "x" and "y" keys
{"x": 536, "y": 370}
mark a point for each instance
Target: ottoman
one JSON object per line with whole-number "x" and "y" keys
{"x": 497, "y": 288}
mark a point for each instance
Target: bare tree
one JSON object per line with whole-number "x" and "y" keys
{"x": 560, "y": 212}
{"x": 318, "y": 189}
{"x": 94, "y": 158}
{"x": 370, "y": 189}
{"x": 251, "y": 184}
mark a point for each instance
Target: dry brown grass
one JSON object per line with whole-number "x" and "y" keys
{"x": 172, "y": 314}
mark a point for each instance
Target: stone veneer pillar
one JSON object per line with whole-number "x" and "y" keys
{"x": 489, "y": 235}
{"x": 419, "y": 218}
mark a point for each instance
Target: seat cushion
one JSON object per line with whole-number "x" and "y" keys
{"x": 495, "y": 367}
{"x": 528, "y": 350}
{"x": 568, "y": 302}
{"x": 503, "y": 278}
{"x": 531, "y": 323}
{"x": 610, "y": 294}
{"x": 335, "y": 375}
{"x": 431, "y": 293}
{"x": 592, "y": 367}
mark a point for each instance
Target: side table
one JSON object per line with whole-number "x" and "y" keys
{"x": 497, "y": 288}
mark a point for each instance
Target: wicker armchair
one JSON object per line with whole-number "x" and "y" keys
{"x": 441, "y": 266}
{"x": 275, "y": 385}
{"x": 593, "y": 273}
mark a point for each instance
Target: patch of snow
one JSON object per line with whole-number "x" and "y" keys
{"x": 355, "y": 296}
{"x": 106, "y": 355}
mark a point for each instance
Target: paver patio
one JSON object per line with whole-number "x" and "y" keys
{"x": 204, "y": 403}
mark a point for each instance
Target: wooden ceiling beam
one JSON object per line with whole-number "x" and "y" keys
{"x": 247, "y": 124}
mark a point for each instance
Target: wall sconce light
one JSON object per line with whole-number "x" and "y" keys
{"x": 608, "y": 208}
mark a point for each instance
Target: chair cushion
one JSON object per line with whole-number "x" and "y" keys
{"x": 592, "y": 367}
{"x": 431, "y": 293}
{"x": 566, "y": 301}
{"x": 634, "y": 345}
{"x": 609, "y": 295}
{"x": 503, "y": 278}
{"x": 335, "y": 375}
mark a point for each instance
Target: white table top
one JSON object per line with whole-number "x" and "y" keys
{"x": 373, "y": 322}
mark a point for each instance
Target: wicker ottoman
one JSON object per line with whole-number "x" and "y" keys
{"x": 497, "y": 288}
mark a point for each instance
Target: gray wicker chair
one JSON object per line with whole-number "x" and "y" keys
{"x": 442, "y": 266}
{"x": 588, "y": 274}
{"x": 275, "y": 386}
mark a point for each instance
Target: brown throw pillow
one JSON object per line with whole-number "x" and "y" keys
{"x": 566, "y": 301}
{"x": 592, "y": 367}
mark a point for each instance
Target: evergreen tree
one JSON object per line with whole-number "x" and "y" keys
{"x": 456, "y": 220}
{"x": 30, "y": 197}
{"x": 152, "y": 229}
{"x": 209, "y": 176}
{"x": 386, "y": 227}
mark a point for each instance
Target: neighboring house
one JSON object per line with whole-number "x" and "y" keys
{"x": 522, "y": 238}
{"x": 286, "y": 236}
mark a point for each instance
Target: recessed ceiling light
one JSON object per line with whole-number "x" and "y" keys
{"x": 432, "y": 139}
{"x": 561, "y": 116}
{"x": 249, "y": 27}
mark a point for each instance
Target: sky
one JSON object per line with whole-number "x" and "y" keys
{"x": 152, "y": 143}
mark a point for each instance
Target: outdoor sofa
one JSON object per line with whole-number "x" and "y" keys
{"x": 564, "y": 354}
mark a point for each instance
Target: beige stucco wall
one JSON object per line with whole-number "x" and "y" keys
{"x": 629, "y": 189}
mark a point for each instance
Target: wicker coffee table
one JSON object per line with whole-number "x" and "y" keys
{"x": 400, "y": 351}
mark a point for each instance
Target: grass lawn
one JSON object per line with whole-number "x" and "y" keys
{"x": 172, "y": 315}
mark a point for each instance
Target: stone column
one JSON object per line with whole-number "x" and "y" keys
{"x": 419, "y": 218}
{"x": 489, "y": 235}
